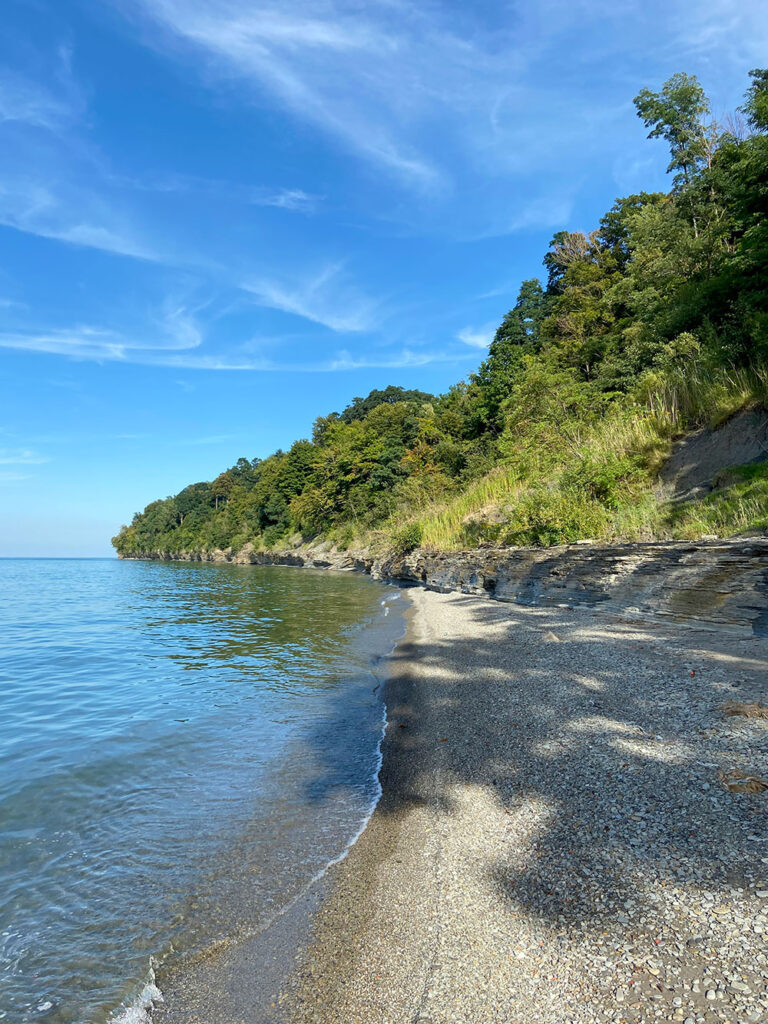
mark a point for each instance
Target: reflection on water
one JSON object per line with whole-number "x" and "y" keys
{"x": 182, "y": 747}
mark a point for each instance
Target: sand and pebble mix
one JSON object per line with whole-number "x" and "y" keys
{"x": 563, "y": 835}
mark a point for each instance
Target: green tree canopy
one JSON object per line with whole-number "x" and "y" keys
{"x": 675, "y": 114}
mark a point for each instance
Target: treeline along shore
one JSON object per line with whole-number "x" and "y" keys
{"x": 649, "y": 332}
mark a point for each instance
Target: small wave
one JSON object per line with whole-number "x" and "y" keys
{"x": 140, "y": 1010}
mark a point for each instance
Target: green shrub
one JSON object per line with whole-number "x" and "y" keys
{"x": 542, "y": 517}
{"x": 407, "y": 538}
{"x": 605, "y": 477}
{"x": 740, "y": 507}
{"x": 343, "y": 536}
{"x": 273, "y": 534}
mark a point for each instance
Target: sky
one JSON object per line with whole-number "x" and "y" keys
{"x": 220, "y": 219}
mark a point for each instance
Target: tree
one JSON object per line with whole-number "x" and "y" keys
{"x": 755, "y": 108}
{"x": 614, "y": 233}
{"x": 530, "y": 308}
{"x": 360, "y": 407}
{"x": 517, "y": 336}
{"x": 222, "y": 486}
{"x": 565, "y": 249}
{"x": 675, "y": 114}
{"x": 669, "y": 289}
{"x": 192, "y": 499}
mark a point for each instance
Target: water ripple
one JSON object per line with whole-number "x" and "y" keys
{"x": 181, "y": 748}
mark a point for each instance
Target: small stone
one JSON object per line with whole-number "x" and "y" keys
{"x": 739, "y": 986}
{"x": 711, "y": 994}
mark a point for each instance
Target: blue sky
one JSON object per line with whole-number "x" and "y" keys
{"x": 222, "y": 218}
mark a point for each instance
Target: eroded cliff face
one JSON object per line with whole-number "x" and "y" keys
{"x": 700, "y": 461}
{"x": 712, "y": 584}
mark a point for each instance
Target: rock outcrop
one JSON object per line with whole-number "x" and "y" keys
{"x": 721, "y": 584}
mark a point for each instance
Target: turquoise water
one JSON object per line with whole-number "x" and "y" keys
{"x": 183, "y": 747}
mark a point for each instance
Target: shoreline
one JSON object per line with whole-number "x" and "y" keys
{"x": 554, "y": 841}
{"x": 242, "y": 976}
{"x": 718, "y": 583}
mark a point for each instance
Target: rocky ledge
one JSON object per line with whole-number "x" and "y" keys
{"x": 719, "y": 584}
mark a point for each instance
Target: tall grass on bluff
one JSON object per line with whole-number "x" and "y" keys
{"x": 581, "y": 479}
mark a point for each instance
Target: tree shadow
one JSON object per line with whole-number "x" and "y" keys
{"x": 602, "y": 741}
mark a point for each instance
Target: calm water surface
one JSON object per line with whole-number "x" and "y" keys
{"x": 182, "y": 749}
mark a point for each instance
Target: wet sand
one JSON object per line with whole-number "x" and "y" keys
{"x": 555, "y": 841}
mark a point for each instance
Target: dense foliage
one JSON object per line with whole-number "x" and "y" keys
{"x": 654, "y": 322}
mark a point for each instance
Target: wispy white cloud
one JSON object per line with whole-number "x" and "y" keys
{"x": 208, "y": 439}
{"x": 508, "y": 288}
{"x": 28, "y": 101}
{"x": 325, "y": 298}
{"x": 13, "y": 478}
{"x": 421, "y": 88}
{"x": 533, "y": 215}
{"x": 731, "y": 31}
{"x": 405, "y": 359}
{"x": 173, "y": 330}
{"x": 293, "y": 199}
{"x": 179, "y": 327}
{"x": 20, "y": 457}
{"x": 22, "y": 101}
{"x": 477, "y": 337}
{"x": 371, "y": 76}
{"x": 77, "y": 343}
{"x": 74, "y": 215}
{"x": 96, "y": 345}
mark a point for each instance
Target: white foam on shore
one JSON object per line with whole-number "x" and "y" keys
{"x": 140, "y": 1010}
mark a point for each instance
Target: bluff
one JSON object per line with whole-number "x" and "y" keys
{"x": 623, "y": 401}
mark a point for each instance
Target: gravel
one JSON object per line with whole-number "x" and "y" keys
{"x": 555, "y": 842}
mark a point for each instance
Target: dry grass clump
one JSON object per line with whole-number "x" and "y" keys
{"x": 750, "y": 709}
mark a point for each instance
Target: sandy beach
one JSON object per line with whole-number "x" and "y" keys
{"x": 560, "y": 836}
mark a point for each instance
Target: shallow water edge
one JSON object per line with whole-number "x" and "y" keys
{"x": 183, "y": 748}
{"x": 250, "y": 976}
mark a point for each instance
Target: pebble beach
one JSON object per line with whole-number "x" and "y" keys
{"x": 573, "y": 828}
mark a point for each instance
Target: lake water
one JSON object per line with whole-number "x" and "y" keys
{"x": 183, "y": 748}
